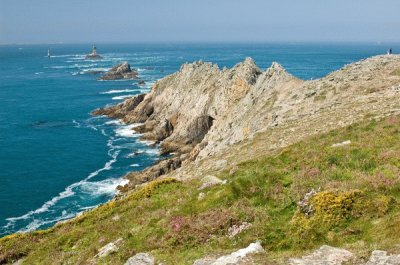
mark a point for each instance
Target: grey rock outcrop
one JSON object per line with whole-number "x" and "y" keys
{"x": 120, "y": 71}
{"x": 325, "y": 255}
{"x": 233, "y": 258}
{"x": 379, "y": 257}
{"x": 141, "y": 259}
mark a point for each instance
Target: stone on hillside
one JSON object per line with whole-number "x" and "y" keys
{"x": 379, "y": 257}
{"x": 204, "y": 261}
{"x": 341, "y": 144}
{"x": 209, "y": 181}
{"x": 233, "y": 258}
{"x": 201, "y": 196}
{"x": 325, "y": 255}
{"x": 237, "y": 229}
{"x": 141, "y": 259}
{"x": 109, "y": 248}
{"x": 221, "y": 164}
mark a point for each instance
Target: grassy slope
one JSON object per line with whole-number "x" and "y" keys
{"x": 359, "y": 209}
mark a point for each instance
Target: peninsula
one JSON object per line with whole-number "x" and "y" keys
{"x": 263, "y": 168}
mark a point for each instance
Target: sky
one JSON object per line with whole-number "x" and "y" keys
{"x": 89, "y": 21}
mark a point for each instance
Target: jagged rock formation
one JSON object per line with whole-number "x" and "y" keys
{"x": 201, "y": 112}
{"x": 120, "y": 71}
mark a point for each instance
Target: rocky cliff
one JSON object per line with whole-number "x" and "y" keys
{"x": 202, "y": 111}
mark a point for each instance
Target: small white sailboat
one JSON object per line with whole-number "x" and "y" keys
{"x": 48, "y": 53}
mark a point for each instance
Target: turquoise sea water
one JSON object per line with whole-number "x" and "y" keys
{"x": 56, "y": 160}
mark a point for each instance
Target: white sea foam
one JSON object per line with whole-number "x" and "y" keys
{"x": 114, "y": 122}
{"x": 134, "y": 165}
{"x": 137, "y": 152}
{"x": 77, "y": 124}
{"x": 68, "y": 192}
{"x": 152, "y": 151}
{"x": 123, "y": 97}
{"x": 117, "y": 91}
{"x": 147, "y": 142}
{"x": 107, "y": 186}
{"x": 127, "y": 130}
{"x": 96, "y": 69}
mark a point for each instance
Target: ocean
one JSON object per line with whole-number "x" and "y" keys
{"x": 57, "y": 160}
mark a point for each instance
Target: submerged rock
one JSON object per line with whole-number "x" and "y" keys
{"x": 120, "y": 71}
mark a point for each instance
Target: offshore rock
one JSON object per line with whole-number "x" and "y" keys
{"x": 120, "y": 71}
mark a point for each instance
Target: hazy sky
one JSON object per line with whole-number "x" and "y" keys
{"x": 72, "y": 21}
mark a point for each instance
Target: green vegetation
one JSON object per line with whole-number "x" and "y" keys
{"x": 354, "y": 205}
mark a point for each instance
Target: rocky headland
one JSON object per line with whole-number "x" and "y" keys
{"x": 202, "y": 112}
{"x": 265, "y": 168}
{"x": 120, "y": 71}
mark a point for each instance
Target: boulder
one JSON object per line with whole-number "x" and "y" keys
{"x": 141, "y": 259}
{"x": 379, "y": 257}
{"x": 109, "y": 248}
{"x": 233, "y": 258}
{"x": 325, "y": 255}
{"x": 209, "y": 181}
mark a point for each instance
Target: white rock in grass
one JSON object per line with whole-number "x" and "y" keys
{"x": 209, "y": 181}
{"x": 233, "y": 258}
{"x": 109, "y": 248}
{"x": 342, "y": 144}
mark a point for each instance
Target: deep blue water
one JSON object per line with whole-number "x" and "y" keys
{"x": 56, "y": 160}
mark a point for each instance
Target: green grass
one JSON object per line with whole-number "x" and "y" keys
{"x": 356, "y": 208}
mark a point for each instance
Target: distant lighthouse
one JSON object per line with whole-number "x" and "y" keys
{"x": 93, "y": 55}
{"x": 94, "y": 51}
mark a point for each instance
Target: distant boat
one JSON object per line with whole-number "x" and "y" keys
{"x": 93, "y": 55}
{"x": 48, "y": 53}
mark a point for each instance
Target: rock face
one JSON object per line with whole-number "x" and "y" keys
{"x": 120, "y": 71}
{"x": 201, "y": 111}
{"x": 325, "y": 255}
{"x": 141, "y": 259}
